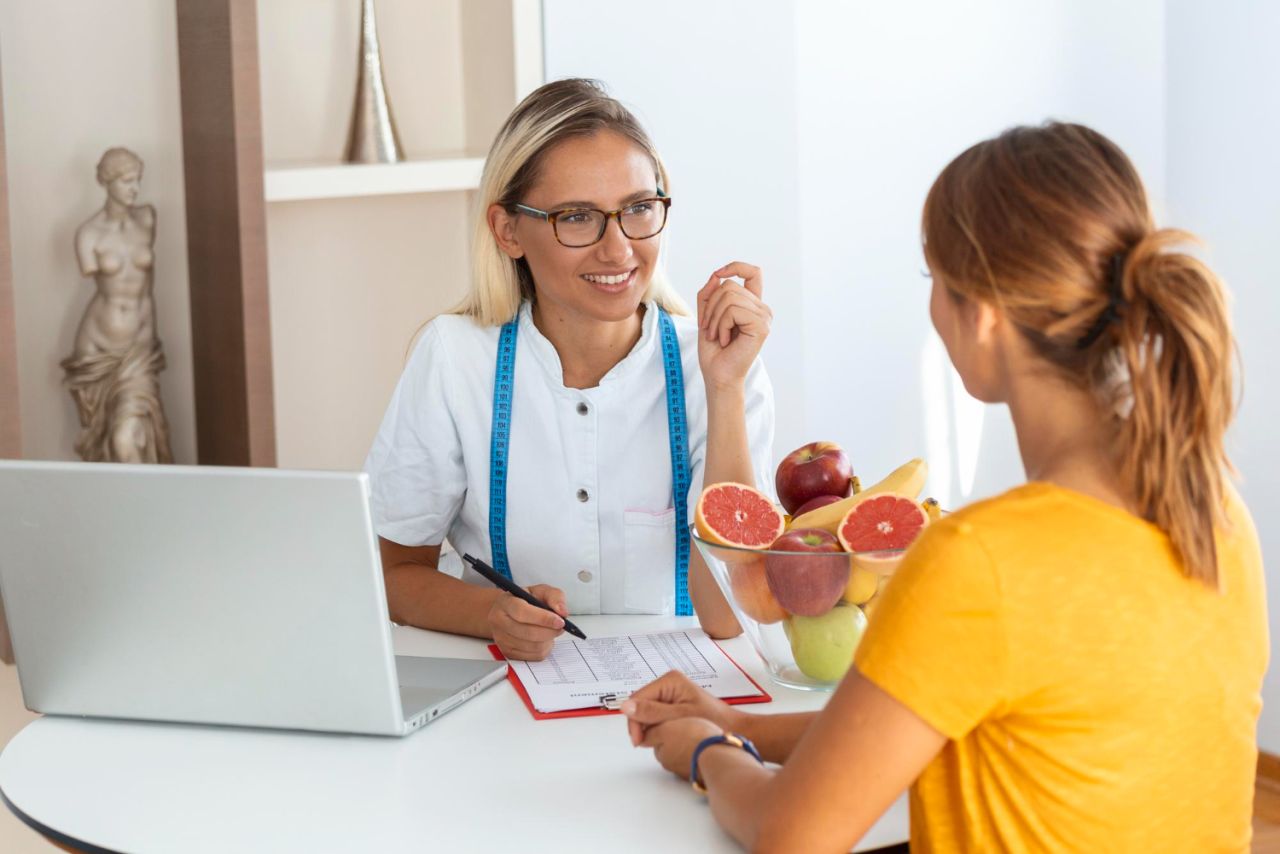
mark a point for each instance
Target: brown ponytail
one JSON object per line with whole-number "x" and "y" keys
{"x": 1052, "y": 224}
{"x": 1177, "y": 346}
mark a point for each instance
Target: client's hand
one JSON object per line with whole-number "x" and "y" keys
{"x": 670, "y": 697}
{"x": 673, "y": 742}
{"x": 523, "y": 631}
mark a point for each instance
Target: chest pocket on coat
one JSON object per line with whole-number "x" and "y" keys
{"x": 650, "y": 541}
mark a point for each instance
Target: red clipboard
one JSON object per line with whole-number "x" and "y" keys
{"x": 591, "y": 712}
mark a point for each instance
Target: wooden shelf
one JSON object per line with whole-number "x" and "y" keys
{"x": 339, "y": 180}
{"x": 456, "y": 70}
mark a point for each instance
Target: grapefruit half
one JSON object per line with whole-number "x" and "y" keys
{"x": 731, "y": 514}
{"x": 878, "y": 529}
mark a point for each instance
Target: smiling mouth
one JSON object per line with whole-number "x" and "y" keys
{"x": 609, "y": 280}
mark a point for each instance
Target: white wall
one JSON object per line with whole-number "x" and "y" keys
{"x": 1224, "y": 183}
{"x": 78, "y": 79}
{"x": 888, "y": 94}
{"x": 714, "y": 81}
{"x": 804, "y": 136}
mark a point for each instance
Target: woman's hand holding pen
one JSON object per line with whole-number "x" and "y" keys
{"x": 734, "y": 321}
{"x": 524, "y": 632}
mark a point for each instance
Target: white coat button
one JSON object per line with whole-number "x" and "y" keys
{"x": 582, "y": 409}
{"x": 585, "y": 577}
{"x": 582, "y": 495}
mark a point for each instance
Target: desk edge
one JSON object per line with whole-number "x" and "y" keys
{"x": 57, "y": 837}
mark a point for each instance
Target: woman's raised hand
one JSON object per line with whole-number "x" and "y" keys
{"x": 734, "y": 321}
{"x": 524, "y": 632}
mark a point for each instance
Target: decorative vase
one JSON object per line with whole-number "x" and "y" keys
{"x": 372, "y": 137}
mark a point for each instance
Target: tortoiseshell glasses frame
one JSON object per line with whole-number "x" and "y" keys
{"x": 577, "y": 228}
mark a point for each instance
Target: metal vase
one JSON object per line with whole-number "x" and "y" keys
{"x": 372, "y": 137}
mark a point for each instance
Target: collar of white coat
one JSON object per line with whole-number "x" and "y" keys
{"x": 549, "y": 360}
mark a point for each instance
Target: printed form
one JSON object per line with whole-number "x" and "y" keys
{"x": 579, "y": 672}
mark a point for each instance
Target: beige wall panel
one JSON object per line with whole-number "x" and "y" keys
{"x": 10, "y": 420}
{"x": 351, "y": 281}
{"x": 78, "y": 78}
{"x": 308, "y": 59}
{"x": 489, "y": 70}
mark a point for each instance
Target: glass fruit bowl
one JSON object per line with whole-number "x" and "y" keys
{"x": 804, "y": 612}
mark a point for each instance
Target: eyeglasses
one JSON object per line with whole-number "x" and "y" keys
{"x": 579, "y": 227}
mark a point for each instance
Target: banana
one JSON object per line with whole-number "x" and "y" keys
{"x": 932, "y": 509}
{"x": 906, "y": 480}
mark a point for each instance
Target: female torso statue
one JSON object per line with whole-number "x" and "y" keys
{"x": 113, "y": 372}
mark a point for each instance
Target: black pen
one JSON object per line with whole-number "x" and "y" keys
{"x": 517, "y": 591}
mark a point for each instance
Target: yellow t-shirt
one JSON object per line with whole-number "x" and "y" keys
{"x": 1095, "y": 698}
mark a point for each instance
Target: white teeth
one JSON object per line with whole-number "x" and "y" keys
{"x": 607, "y": 280}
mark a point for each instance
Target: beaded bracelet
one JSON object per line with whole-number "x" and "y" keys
{"x": 726, "y": 738}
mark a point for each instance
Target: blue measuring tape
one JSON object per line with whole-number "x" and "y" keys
{"x": 500, "y": 445}
{"x": 678, "y": 434}
{"x": 677, "y": 431}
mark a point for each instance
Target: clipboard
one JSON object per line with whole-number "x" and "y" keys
{"x": 609, "y": 702}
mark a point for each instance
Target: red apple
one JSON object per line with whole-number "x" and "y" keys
{"x": 819, "y": 468}
{"x": 815, "y": 503}
{"x": 809, "y": 582}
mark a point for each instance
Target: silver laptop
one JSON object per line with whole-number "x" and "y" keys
{"x": 248, "y": 597}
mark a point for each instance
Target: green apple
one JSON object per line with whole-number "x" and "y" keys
{"x": 823, "y": 646}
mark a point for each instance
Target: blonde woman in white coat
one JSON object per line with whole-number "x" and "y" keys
{"x": 537, "y": 426}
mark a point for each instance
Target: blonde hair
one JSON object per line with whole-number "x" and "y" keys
{"x": 116, "y": 162}
{"x": 1052, "y": 224}
{"x": 550, "y": 114}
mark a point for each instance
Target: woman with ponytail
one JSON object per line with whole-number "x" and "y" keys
{"x": 1074, "y": 665}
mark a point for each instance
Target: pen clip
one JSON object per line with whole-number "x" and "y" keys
{"x": 613, "y": 702}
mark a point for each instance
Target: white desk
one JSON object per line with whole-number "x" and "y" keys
{"x": 484, "y": 777}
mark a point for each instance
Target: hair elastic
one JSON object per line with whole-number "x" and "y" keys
{"x": 1115, "y": 302}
